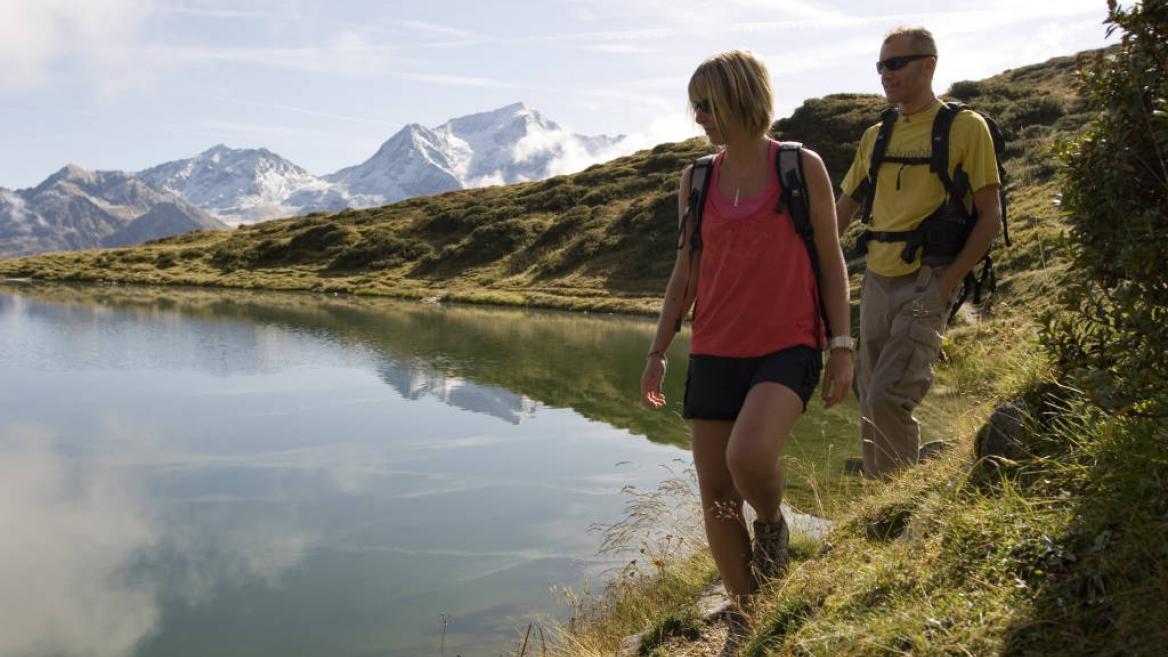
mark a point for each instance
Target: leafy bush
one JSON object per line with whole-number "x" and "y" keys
{"x": 562, "y": 228}
{"x": 322, "y": 238}
{"x": 553, "y": 195}
{"x": 1035, "y": 110}
{"x": 832, "y": 126}
{"x": 455, "y": 222}
{"x": 1112, "y": 336}
{"x": 965, "y": 90}
{"x": 380, "y": 248}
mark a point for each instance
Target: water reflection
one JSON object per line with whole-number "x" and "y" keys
{"x": 511, "y": 360}
{"x": 69, "y": 535}
{"x": 195, "y": 474}
{"x": 417, "y": 382}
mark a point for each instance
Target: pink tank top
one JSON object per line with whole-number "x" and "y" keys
{"x": 756, "y": 292}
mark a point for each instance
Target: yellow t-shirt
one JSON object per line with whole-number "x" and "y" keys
{"x": 906, "y": 194}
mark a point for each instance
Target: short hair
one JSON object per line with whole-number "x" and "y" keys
{"x": 921, "y": 38}
{"x": 738, "y": 87}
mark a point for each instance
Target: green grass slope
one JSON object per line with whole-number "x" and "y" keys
{"x": 601, "y": 239}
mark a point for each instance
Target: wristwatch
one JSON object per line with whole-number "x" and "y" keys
{"x": 841, "y": 342}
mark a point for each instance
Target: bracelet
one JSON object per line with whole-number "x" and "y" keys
{"x": 657, "y": 354}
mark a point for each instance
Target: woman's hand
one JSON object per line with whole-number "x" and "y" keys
{"x": 651, "y": 382}
{"x": 837, "y": 378}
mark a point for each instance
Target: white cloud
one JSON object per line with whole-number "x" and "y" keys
{"x": 434, "y": 28}
{"x": 69, "y": 536}
{"x": 310, "y": 112}
{"x": 459, "y": 80}
{"x": 345, "y": 53}
{"x": 36, "y": 34}
{"x": 573, "y": 156}
{"x": 670, "y": 127}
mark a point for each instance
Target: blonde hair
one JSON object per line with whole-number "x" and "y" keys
{"x": 738, "y": 88}
{"x": 922, "y": 39}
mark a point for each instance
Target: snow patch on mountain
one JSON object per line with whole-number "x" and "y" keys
{"x": 80, "y": 209}
{"x": 509, "y": 145}
{"x": 240, "y": 186}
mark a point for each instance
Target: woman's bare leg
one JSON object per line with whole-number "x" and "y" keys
{"x": 755, "y": 448}
{"x": 722, "y": 506}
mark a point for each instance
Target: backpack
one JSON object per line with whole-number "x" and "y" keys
{"x": 793, "y": 195}
{"x": 941, "y": 235}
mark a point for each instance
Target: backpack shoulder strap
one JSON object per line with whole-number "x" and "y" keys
{"x": 699, "y": 185}
{"x": 789, "y": 167}
{"x": 793, "y": 196}
{"x": 999, "y": 140}
{"x": 879, "y": 150}
{"x": 939, "y": 155}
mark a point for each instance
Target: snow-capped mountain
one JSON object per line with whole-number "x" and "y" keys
{"x": 241, "y": 186}
{"x": 508, "y": 145}
{"x": 245, "y": 186}
{"x": 80, "y": 209}
{"x": 413, "y": 162}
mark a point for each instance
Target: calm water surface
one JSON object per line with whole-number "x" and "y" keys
{"x": 216, "y": 474}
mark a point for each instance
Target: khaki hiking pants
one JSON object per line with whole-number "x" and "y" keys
{"x": 902, "y": 320}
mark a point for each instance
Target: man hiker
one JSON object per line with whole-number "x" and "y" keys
{"x": 925, "y": 233}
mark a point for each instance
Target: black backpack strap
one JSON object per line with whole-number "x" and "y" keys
{"x": 793, "y": 196}
{"x": 699, "y": 186}
{"x": 999, "y": 151}
{"x": 879, "y": 149}
{"x": 939, "y": 158}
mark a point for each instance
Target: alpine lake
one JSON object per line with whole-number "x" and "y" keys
{"x": 191, "y": 472}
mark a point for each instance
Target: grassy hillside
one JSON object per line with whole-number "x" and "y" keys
{"x": 601, "y": 239}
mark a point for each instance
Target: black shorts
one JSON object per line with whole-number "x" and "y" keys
{"x": 716, "y": 386}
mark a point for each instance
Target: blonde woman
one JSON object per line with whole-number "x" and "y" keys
{"x": 756, "y": 351}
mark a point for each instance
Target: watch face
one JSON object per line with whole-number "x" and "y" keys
{"x": 842, "y": 342}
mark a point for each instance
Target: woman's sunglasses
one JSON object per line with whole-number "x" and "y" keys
{"x": 897, "y": 63}
{"x": 702, "y": 106}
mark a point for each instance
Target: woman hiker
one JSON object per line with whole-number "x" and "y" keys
{"x": 757, "y": 334}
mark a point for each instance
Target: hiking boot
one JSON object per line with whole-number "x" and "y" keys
{"x": 768, "y": 559}
{"x": 737, "y": 633}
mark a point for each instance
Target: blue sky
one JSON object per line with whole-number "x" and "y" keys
{"x": 126, "y": 84}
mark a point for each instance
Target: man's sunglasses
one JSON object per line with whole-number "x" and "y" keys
{"x": 897, "y": 63}
{"x": 702, "y": 106}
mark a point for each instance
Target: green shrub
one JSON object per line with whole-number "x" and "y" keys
{"x": 165, "y": 260}
{"x": 381, "y": 248}
{"x": 965, "y": 90}
{"x": 322, "y": 238}
{"x": 454, "y": 222}
{"x": 1112, "y": 336}
{"x": 1036, "y": 110}
{"x": 564, "y": 226}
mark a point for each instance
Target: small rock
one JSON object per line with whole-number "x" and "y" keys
{"x": 931, "y": 449}
{"x": 1004, "y": 434}
{"x": 630, "y": 646}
